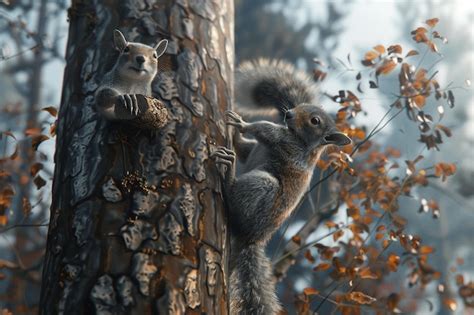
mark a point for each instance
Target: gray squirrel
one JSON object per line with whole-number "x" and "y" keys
{"x": 132, "y": 75}
{"x": 278, "y": 166}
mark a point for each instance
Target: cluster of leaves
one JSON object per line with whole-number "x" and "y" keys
{"x": 11, "y": 171}
{"x": 373, "y": 242}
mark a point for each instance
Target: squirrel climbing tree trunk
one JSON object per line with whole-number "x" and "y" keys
{"x": 137, "y": 219}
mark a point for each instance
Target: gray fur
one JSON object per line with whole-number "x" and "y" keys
{"x": 278, "y": 165}
{"x": 132, "y": 74}
{"x": 263, "y": 85}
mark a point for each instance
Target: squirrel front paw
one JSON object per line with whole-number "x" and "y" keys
{"x": 235, "y": 120}
{"x": 130, "y": 102}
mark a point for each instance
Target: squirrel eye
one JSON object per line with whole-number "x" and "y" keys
{"x": 155, "y": 56}
{"x": 315, "y": 120}
{"x": 126, "y": 49}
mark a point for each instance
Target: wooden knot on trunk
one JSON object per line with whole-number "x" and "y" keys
{"x": 153, "y": 114}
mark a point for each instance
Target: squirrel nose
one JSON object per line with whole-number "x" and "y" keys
{"x": 140, "y": 59}
{"x": 289, "y": 114}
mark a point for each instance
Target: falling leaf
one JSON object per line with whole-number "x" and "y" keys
{"x": 361, "y": 298}
{"x": 51, "y": 110}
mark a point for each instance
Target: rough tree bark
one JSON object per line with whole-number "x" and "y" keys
{"x": 137, "y": 220}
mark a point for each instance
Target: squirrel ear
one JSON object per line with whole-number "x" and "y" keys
{"x": 119, "y": 40}
{"x": 161, "y": 47}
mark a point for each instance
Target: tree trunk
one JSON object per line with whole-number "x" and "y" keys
{"x": 137, "y": 219}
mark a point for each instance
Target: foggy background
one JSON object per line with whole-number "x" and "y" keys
{"x": 298, "y": 31}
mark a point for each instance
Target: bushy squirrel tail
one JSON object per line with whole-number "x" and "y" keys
{"x": 252, "y": 286}
{"x": 262, "y": 85}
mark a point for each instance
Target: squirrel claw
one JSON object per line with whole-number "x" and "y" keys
{"x": 226, "y": 157}
{"x": 130, "y": 102}
{"x": 136, "y": 108}
{"x": 235, "y": 120}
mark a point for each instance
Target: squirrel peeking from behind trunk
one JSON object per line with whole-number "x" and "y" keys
{"x": 277, "y": 168}
{"x": 118, "y": 96}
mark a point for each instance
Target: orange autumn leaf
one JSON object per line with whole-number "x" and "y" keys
{"x": 296, "y": 239}
{"x": 386, "y": 67}
{"x": 322, "y": 267}
{"x": 432, "y": 22}
{"x": 310, "y": 291}
{"x": 366, "y": 273}
{"x": 450, "y": 303}
{"x": 424, "y": 250}
{"x": 393, "y": 262}
{"x": 361, "y": 298}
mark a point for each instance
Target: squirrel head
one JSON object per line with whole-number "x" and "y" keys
{"x": 314, "y": 127}
{"x": 137, "y": 61}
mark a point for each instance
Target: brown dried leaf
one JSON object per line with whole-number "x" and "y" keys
{"x": 397, "y": 49}
{"x": 432, "y": 22}
{"x": 310, "y": 291}
{"x": 32, "y": 131}
{"x": 39, "y": 182}
{"x": 380, "y": 49}
{"x": 337, "y": 235}
{"x": 37, "y": 140}
{"x": 424, "y": 250}
{"x": 450, "y": 303}
{"x": 393, "y": 262}
{"x": 309, "y": 257}
{"x": 361, "y": 298}
{"x": 3, "y": 220}
{"x": 51, "y": 110}
{"x": 412, "y": 53}
{"x": 15, "y": 154}
{"x": 366, "y": 273}
{"x": 322, "y": 267}
{"x": 35, "y": 168}
{"x": 386, "y": 67}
